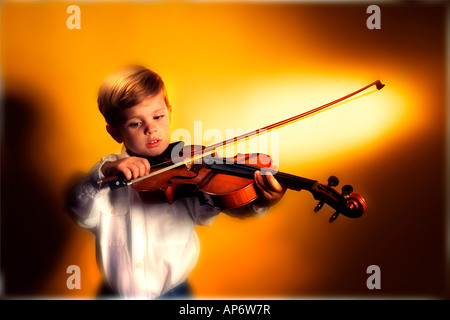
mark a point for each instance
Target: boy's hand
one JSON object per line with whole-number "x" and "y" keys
{"x": 130, "y": 167}
{"x": 271, "y": 190}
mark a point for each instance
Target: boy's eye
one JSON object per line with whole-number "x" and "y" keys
{"x": 134, "y": 124}
{"x": 158, "y": 117}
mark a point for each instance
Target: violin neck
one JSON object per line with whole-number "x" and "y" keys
{"x": 295, "y": 182}
{"x": 248, "y": 171}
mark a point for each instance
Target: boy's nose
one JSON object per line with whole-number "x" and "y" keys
{"x": 149, "y": 130}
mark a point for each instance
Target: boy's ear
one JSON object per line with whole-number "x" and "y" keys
{"x": 114, "y": 133}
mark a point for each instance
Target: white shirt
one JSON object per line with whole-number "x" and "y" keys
{"x": 143, "y": 250}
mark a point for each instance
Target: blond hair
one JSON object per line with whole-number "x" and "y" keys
{"x": 126, "y": 88}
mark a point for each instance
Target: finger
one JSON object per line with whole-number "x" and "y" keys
{"x": 268, "y": 182}
{"x": 260, "y": 182}
{"x": 146, "y": 165}
{"x": 271, "y": 194}
{"x": 258, "y": 179}
{"x": 134, "y": 168}
{"x": 126, "y": 173}
{"x": 141, "y": 167}
{"x": 273, "y": 183}
{"x": 142, "y": 164}
{"x": 122, "y": 167}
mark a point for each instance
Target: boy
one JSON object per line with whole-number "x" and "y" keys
{"x": 144, "y": 250}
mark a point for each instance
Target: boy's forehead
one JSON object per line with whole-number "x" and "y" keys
{"x": 148, "y": 104}
{"x": 155, "y": 101}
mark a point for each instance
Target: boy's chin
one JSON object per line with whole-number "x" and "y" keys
{"x": 152, "y": 153}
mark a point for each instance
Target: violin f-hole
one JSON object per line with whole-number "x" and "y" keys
{"x": 183, "y": 177}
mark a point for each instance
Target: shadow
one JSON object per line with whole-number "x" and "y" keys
{"x": 33, "y": 226}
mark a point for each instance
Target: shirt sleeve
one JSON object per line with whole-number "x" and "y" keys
{"x": 85, "y": 194}
{"x": 202, "y": 214}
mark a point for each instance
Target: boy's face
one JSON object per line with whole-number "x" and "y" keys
{"x": 145, "y": 127}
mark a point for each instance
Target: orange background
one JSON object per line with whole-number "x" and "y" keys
{"x": 238, "y": 66}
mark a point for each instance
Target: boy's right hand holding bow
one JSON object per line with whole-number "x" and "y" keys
{"x": 130, "y": 167}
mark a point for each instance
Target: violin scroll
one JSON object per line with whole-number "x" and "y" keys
{"x": 347, "y": 203}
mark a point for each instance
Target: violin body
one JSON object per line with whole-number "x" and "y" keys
{"x": 219, "y": 190}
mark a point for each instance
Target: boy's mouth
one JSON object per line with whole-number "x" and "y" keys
{"x": 153, "y": 143}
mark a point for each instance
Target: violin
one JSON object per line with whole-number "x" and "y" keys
{"x": 228, "y": 183}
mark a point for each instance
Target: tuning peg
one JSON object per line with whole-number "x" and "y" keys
{"x": 319, "y": 206}
{"x": 333, "y": 181}
{"x": 333, "y": 217}
{"x": 346, "y": 190}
